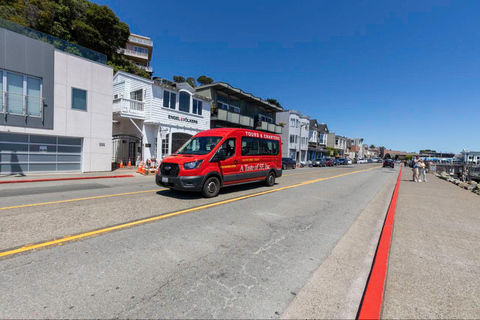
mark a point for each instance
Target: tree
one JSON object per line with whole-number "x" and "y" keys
{"x": 332, "y": 151}
{"x": 178, "y": 79}
{"x": 427, "y": 151}
{"x": 204, "y": 80}
{"x": 191, "y": 81}
{"x": 372, "y": 146}
{"x": 81, "y": 22}
{"x": 274, "y": 102}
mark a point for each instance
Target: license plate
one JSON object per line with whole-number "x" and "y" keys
{"x": 164, "y": 180}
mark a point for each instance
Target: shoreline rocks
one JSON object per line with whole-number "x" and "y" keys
{"x": 472, "y": 186}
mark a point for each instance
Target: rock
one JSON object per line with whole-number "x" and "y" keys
{"x": 471, "y": 187}
{"x": 463, "y": 184}
{"x": 457, "y": 182}
{"x": 436, "y": 174}
{"x": 444, "y": 175}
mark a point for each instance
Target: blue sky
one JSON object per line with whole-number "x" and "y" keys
{"x": 403, "y": 74}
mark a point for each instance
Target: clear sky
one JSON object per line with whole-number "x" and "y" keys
{"x": 402, "y": 74}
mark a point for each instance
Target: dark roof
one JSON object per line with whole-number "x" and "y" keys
{"x": 323, "y": 127}
{"x": 238, "y": 93}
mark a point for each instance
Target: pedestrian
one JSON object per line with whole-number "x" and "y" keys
{"x": 415, "y": 168}
{"x": 421, "y": 167}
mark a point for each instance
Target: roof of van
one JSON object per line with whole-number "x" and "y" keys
{"x": 224, "y": 131}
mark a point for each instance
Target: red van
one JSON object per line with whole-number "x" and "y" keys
{"x": 221, "y": 157}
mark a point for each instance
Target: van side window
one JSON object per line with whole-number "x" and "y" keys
{"x": 250, "y": 146}
{"x": 229, "y": 146}
{"x": 270, "y": 147}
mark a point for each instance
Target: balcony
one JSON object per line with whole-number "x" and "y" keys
{"x": 21, "y": 105}
{"x": 146, "y": 68}
{"x": 232, "y": 117}
{"x": 270, "y": 127}
{"x": 145, "y": 42}
{"x": 129, "y": 108}
{"x": 133, "y": 53}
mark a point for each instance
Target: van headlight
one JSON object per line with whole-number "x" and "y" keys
{"x": 192, "y": 165}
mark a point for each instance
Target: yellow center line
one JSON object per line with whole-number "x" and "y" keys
{"x": 63, "y": 240}
{"x": 80, "y": 199}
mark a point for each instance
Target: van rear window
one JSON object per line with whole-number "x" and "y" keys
{"x": 259, "y": 147}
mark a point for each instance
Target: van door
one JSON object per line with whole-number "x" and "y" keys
{"x": 228, "y": 167}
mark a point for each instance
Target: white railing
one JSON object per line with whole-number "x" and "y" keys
{"x": 20, "y": 104}
{"x": 146, "y": 68}
{"x": 140, "y": 41}
{"x": 129, "y": 107}
{"x": 133, "y": 53}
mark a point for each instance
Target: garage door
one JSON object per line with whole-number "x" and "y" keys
{"x": 21, "y": 153}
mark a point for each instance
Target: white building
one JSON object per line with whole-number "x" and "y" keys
{"x": 295, "y": 134}
{"x": 55, "y": 107}
{"x": 153, "y": 118}
{"x": 471, "y": 157}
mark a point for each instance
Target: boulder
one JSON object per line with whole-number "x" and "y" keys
{"x": 463, "y": 184}
{"x": 444, "y": 175}
{"x": 471, "y": 187}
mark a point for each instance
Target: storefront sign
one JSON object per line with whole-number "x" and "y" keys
{"x": 182, "y": 119}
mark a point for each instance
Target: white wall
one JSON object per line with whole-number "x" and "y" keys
{"x": 93, "y": 125}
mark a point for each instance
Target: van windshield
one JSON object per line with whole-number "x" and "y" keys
{"x": 199, "y": 145}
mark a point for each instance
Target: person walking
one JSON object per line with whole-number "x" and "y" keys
{"x": 415, "y": 168}
{"x": 421, "y": 168}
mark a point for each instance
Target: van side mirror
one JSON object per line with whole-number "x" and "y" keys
{"x": 221, "y": 155}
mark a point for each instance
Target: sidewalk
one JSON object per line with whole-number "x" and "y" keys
{"x": 434, "y": 263}
{"x": 34, "y": 177}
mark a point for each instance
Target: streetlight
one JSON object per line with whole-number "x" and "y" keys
{"x": 300, "y": 142}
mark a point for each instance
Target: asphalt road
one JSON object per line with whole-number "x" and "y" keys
{"x": 236, "y": 256}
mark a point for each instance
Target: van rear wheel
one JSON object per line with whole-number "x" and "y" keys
{"x": 211, "y": 187}
{"x": 270, "y": 181}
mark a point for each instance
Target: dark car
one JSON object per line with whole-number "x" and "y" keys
{"x": 288, "y": 163}
{"x": 389, "y": 163}
{"x": 319, "y": 162}
{"x": 330, "y": 162}
{"x": 342, "y": 161}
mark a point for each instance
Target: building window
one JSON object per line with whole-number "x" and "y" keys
{"x": 296, "y": 123}
{"x": 197, "y": 107}
{"x": 137, "y": 95}
{"x": 184, "y": 102}
{"x": 165, "y": 144}
{"x": 292, "y": 123}
{"x": 169, "y": 99}
{"x": 22, "y": 95}
{"x": 296, "y": 139}
{"x": 292, "y": 138}
{"x": 79, "y": 99}
{"x": 141, "y": 50}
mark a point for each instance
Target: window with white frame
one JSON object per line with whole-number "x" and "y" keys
{"x": 197, "y": 107}
{"x": 184, "y": 101}
{"x": 137, "y": 95}
{"x": 292, "y": 123}
{"x": 141, "y": 50}
{"x": 292, "y": 138}
{"x": 20, "y": 94}
{"x": 169, "y": 99}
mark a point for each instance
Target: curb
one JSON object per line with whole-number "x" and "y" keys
{"x": 371, "y": 305}
{"x": 65, "y": 179}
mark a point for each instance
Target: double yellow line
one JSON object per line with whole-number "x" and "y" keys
{"x": 152, "y": 219}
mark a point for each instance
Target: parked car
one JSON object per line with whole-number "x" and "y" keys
{"x": 380, "y": 160}
{"x": 369, "y": 161}
{"x": 389, "y": 163}
{"x": 319, "y": 162}
{"x": 349, "y": 161}
{"x": 221, "y": 157}
{"x": 330, "y": 162}
{"x": 288, "y": 163}
{"x": 342, "y": 161}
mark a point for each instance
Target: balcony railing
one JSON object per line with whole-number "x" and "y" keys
{"x": 59, "y": 44}
{"x": 233, "y": 117}
{"x": 140, "y": 41}
{"x": 270, "y": 127}
{"x": 133, "y": 53}
{"x": 146, "y": 68}
{"x": 129, "y": 107}
{"x": 20, "y": 104}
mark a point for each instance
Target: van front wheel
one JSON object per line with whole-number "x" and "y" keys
{"x": 211, "y": 187}
{"x": 270, "y": 181}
